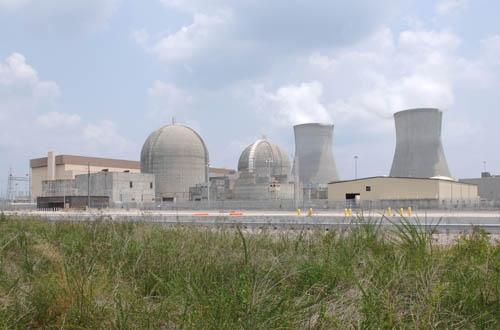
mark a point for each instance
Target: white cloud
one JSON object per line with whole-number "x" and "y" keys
{"x": 30, "y": 106}
{"x": 231, "y": 41}
{"x": 62, "y": 16}
{"x": 46, "y": 90}
{"x": 141, "y": 37}
{"x": 190, "y": 40}
{"x": 15, "y": 72}
{"x": 422, "y": 40}
{"x": 58, "y": 120}
{"x": 491, "y": 45}
{"x": 447, "y": 7}
{"x": 293, "y": 104}
{"x": 166, "y": 100}
{"x": 103, "y": 137}
{"x": 21, "y": 87}
{"x": 385, "y": 74}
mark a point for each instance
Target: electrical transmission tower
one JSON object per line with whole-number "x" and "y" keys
{"x": 18, "y": 186}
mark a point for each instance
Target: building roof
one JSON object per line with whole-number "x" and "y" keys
{"x": 264, "y": 158}
{"x": 400, "y": 178}
{"x": 82, "y": 160}
{"x": 221, "y": 171}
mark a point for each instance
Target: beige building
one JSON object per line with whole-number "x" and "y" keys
{"x": 437, "y": 191}
{"x": 58, "y": 167}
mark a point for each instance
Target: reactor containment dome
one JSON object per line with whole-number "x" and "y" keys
{"x": 178, "y": 158}
{"x": 264, "y": 173}
{"x": 265, "y": 159}
{"x": 419, "y": 151}
{"x": 314, "y": 162}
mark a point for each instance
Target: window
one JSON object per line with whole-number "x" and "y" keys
{"x": 151, "y": 185}
{"x": 131, "y": 184}
{"x": 368, "y": 188}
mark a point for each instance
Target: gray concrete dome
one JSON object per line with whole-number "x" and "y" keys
{"x": 264, "y": 159}
{"x": 178, "y": 158}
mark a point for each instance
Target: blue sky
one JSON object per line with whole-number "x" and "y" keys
{"x": 96, "y": 77}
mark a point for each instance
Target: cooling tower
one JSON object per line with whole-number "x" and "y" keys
{"x": 314, "y": 153}
{"x": 419, "y": 152}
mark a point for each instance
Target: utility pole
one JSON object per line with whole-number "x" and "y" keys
{"x": 296, "y": 185}
{"x": 208, "y": 185}
{"x": 88, "y": 186}
{"x": 355, "y": 167}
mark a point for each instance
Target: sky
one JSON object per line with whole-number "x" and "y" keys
{"x": 96, "y": 77}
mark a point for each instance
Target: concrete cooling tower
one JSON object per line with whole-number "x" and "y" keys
{"x": 419, "y": 151}
{"x": 314, "y": 154}
{"x": 178, "y": 158}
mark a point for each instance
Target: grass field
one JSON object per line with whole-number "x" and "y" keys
{"x": 105, "y": 275}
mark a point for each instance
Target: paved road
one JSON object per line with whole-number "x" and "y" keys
{"x": 445, "y": 221}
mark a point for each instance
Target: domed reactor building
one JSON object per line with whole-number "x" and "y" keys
{"x": 264, "y": 173}
{"x": 178, "y": 158}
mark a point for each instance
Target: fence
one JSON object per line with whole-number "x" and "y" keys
{"x": 288, "y": 205}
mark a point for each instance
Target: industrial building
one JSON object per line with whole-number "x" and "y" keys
{"x": 222, "y": 182}
{"x": 380, "y": 192}
{"x": 123, "y": 189}
{"x": 76, "y": 202}
{"x": 120, "y": 189}
{"x": 57, "y": 167}
{"x": 419, "y": 151}
{"x": 488, "y": 187}
{"x": 264, "y": 169}
{"x": 178, "y": 158}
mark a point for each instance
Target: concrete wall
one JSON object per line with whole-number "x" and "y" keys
{"x": 488, "y": 187}
{"x": 119, "y": 186}
{"x": 263, "y": 192}
{"x": 38, "y": 175}
{"x": 457, "y": 191}
{"x": 64, "y": 187}
{"x": 252, "y": 187}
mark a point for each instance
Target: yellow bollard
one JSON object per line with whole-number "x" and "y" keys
{"x": 345, "y": 212}
{"x": 310, "y": 211}
{"x": 389, "y": 213}
{"x": 409, "y": 211}
{"x": 350, "y": 212}
{"x": 298, "y": 211}
{"x": 401, "y": 212}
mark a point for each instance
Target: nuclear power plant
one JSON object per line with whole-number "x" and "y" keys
{"x": 419, "y": 151}
{"x": 175, "y": 170}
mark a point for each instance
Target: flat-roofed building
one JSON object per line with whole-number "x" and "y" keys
{"x": 59, "y": 167}
{"x": 488, "y": 186}
{"x": 432, "y": 192}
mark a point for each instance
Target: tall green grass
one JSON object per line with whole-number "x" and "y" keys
{"x": 107, "y": 275}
